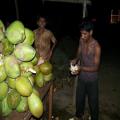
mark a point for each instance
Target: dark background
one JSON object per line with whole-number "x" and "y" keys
{"x": 64, "y": 18}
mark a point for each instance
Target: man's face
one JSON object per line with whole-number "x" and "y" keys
{"x": 42, "y": 22}
{"x": 85, "y": 35}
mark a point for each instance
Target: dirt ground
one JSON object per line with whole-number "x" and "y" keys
{"x": 109, "y": 88}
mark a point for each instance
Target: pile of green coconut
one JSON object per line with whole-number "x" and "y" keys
{"x": 20, "y": 76}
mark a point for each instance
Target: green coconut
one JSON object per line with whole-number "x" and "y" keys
{"x": 7, "y": 47}
{"x": 34, "y": 61}
{"x": 23, "y": 105}
{"x": 2, "y": 30}
{"x": 23, "y": 86}
{"x": 36, "y": 68}
{"x": 31, "y": 79}
{"x": 48, "y": 77}
{"x": 39, "y": 79}
{"x": 3, "y": 90}
{"x": 11, "y": 82}
{"x": 24, "y": 52}
{"x": 35, "y": 105}
{"x": 15, "y": 32}
{"x": 30, "y": 37}
{"x": 46, "y": 67}
{"x": 6, "y": 110}
{"x": 3, "y": 74}
{"x": 35, "y": 91}
{"x": 2, "y": 35}
{"x": 11, "y": 66}
{"x": 0, "y": 108}
{"x": 2, "y": 25}
{"x": 13, "y": 99}
{"x": 25, "y": 67}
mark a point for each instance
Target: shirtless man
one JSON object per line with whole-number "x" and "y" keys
{"x": 89, "y": 52}
{"x": 44, "y": 41}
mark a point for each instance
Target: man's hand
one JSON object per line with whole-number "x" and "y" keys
{"x": 75, "y": 70}
{"x": 40, "y": 61}
{"x": 73, "y": 62}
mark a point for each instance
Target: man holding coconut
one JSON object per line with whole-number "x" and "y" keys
{"x": 86, "y": 66}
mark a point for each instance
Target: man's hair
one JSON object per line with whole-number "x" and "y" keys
{"x": 87, "y": 26}
{"x": 41, "y": 16}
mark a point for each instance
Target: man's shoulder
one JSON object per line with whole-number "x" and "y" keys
{"x": 36, "y": 30}
{"x": 96, "y": 43}
{"x": 48, "y": 31}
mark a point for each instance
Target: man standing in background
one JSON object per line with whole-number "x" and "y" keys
{"x": 45, "y": 41}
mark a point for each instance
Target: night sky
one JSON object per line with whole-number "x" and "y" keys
{"x": 64, "y": 18}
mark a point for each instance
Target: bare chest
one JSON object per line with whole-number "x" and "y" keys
{"x": 88, "y": 49}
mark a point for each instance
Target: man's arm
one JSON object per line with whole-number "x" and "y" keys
{"x": 78, "y": 52}
{"x": 53, "y": 43}
{"x": 53, "y": 40}
{"x": 34, "y": 44}
{"x": 75, "y": 60}
{"x": 96, "y": 61}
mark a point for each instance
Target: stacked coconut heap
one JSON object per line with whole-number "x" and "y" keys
{"x": 19, "y": 73}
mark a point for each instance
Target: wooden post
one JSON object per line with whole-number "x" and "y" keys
{"x": 111, "y": 19}
{"x": 84, "y": 8}
{"x": 16, "y": 8}
{"x": 43, "y": 2}
{"x": 50, "y": 102}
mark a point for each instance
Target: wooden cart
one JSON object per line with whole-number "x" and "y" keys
{"x": 45, "y": 92}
